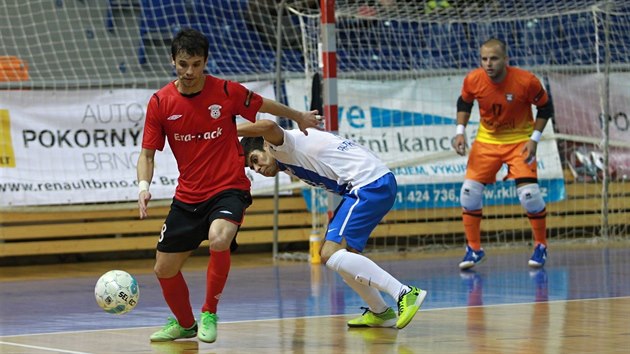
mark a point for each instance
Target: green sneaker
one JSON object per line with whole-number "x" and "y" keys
{"x": 386, "y": 318}
{"x": 408, "y": 304}
{"x": 207, "y": 327}
{"x": 173, "y": 331}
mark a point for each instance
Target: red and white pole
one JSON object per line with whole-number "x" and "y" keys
{"x": 329, "y": 70}
{"x": 329, "y": 79}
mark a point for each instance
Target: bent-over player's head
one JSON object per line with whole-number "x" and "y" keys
{"x": 258, "y": 157}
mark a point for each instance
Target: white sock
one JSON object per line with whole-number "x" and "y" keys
{"x": 371, "y": 296}
{"x": 366, "y": 272}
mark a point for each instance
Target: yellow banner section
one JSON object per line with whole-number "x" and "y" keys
{"x": 7, "y": 157}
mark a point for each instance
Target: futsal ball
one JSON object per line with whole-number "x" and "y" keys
{"x": 117, "y": 292}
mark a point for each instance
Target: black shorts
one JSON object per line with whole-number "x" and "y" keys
{"x": 187, "y": 225}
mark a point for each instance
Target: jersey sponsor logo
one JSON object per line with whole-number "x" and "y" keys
{"x": 215, "y": 110}
{"x": 199, "y": 136}
{"x": 226, "y": 212}
{"x": 174, "y": 117}
{"x": 346, "y": 145}
{"x": 509, "y": 97}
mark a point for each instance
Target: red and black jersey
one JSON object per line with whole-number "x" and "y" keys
{"x": 201, "y": 131}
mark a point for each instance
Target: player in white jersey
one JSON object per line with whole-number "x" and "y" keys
{"x": 368, "y": 191}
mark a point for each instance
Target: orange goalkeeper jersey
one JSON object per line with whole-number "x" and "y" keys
{"x": 506, "y": 107}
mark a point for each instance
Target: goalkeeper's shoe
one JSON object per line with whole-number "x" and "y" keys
{"x": 408, "y": 304}
{"x": 471, "y": 258}
{"x": 386, "y": 318}
{"x": 172, "y": 330}
{"x": 539, "y": 257}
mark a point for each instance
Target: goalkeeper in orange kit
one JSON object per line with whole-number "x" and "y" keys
{"x": 507, "y": 134}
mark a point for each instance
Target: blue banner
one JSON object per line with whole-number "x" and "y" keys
{"x": 446, "y": 195}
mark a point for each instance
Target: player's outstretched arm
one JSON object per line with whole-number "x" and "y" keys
{"x": 268, "y": 129}
{"x": 304, "y": 120}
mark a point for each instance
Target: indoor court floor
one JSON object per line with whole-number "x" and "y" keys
{"x": 579, "y": 303}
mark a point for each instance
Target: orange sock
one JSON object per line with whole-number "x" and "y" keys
{"x": 216, "y": 277}
{"x": 472, "y": 228}
{"x": 176, "y": 294}
{"x": 539, "y": 226}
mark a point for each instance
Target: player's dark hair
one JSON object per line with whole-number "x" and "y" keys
{"x": 191, "y": 42}
{"x": 250, "y": 144}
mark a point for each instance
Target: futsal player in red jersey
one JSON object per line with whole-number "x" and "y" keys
{"x": 196, "y": 113}
{"x": 507, "y": 134}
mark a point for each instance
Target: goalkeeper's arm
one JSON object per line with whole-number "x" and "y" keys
{"x": 463, "y": 115}
{"x": 545, "y": 113}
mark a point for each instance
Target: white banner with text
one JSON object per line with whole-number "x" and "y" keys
{"x": 74, "y": 147}
{"x": 414, "y": 120}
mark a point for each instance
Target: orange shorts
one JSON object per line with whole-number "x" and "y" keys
{"x": 485, "y": 160}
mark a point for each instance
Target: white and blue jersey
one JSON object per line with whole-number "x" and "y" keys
{"x": 344, "y": 167}
{"x": 328, "y": 161}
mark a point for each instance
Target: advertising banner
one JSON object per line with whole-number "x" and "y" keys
{"x": 414, "y": 120}
{"x": 82, "y": 146}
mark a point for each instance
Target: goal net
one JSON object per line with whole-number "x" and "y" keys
{"x": 400, "y": 70}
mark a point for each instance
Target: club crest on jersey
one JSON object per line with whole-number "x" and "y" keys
{"x": 509, "y": 97}
{"x": 215, "y": 111}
